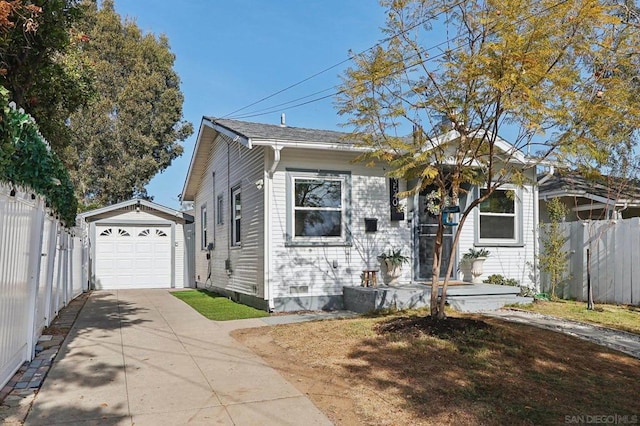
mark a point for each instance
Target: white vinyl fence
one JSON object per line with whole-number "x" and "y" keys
{"x": 615, "y": 261}
{"x": 41, "y": 270}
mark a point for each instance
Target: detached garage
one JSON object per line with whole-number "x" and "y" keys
{"x": 139, "y": 244}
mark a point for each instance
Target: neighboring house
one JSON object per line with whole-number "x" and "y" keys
{"x": 589, "y": 199}
{"x": 139, "y": 244}
{"x": 281, "y": 216}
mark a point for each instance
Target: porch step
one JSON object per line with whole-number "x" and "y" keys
{"x": 464, "y": 298}
{"x": 368, "y": 299}
{"x": 478, "y": 303}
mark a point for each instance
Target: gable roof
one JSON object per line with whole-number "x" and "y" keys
{"x": 513, "y": 153}
{"x": 132, "y": 204}
{"x": 279, "y": 136}
{"x": 262, "y": 134}
{"x": 607, "y": 190}
{"x": 257, "y": 134}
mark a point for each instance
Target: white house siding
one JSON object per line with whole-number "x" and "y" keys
{"x": 303, "y": 272}
{"x": 244, "y": 168}
{"x": 511, "y": 262}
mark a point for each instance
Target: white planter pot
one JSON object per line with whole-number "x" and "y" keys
{"x": 477, "y": 269}
{"x": 390, "y": 273}
{"x": 465, "y": 269}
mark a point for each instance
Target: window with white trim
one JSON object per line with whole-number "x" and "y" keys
{"x": 203, "y": 226}
{"x": 236, "y": 216}
{"x": 500, "y": 217}
{"x": 318, "y": 204}
{"x": 220, "y": 210}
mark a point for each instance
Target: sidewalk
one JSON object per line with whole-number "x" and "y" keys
{"x": 144, "y": 357}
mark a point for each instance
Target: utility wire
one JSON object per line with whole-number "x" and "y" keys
{"x": 275, "y": 108}
{"x": 350, "y": 58}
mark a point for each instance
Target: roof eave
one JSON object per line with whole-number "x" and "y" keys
{"x": 149, "y": 204}
{"x": 232, "y": 134}
{"x": 185, "y": 188}
{"x": 280, "y": 143}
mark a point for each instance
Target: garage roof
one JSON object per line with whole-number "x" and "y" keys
{"x": 145, "y": 205}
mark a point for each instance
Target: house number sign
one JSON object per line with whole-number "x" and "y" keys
{"x": 394, "y": 202}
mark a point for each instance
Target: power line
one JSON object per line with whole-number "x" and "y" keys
{"x": 276, "y": 108}
{"x": 350, "y": 58}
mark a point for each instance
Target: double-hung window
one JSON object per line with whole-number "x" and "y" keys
{"x": 318, "y": 208}
{"x": 203, "y": 227}
{"x": 236, "y": 216}
{"x": 500, "y": 218}
{"x": 220, "y": 219}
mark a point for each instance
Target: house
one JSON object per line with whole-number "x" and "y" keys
{"x": 589, "y": 199}
{"x": 139, "y": 244}
{"x": 285, "y": 217}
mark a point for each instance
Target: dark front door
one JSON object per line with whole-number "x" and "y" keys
{"x": 426, "y": 229}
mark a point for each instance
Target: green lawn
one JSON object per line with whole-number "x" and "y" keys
{"x": 621, "y": 317}
{"x": 216, "y": 307}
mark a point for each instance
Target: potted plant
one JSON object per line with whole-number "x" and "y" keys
{"x": 471, "y": 264}
{"x": 391, "y": 265}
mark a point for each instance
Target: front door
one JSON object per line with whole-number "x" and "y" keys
{"x": 426, "y": 229}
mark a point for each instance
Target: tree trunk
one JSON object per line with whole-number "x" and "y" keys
{"x": 589, "y": 289}
{"x": 454, "y": 247}
{"x": 435, "y": 274}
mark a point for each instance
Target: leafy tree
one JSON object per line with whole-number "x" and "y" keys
{"x": 130, "y": 131}
{"x": 41, "y": 63}
{"x": 547, "y": 69}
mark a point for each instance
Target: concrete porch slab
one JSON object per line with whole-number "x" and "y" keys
{"x": 461, "y": 296}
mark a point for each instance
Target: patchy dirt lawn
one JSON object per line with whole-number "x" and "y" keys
{"x": 469, "y": 370}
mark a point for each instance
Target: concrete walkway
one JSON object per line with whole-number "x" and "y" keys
{"x": 144, "y": 357}
{"x": 622, "y": 341}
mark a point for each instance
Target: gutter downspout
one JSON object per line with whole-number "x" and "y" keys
{"x": 268, "y": 189}
{"x": 536, "y": 222}
{"x": 617, "y": 214}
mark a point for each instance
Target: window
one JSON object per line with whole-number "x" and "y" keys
{"x": 236, "y": 216}
{"x": 203, "y": 226}
{"x": 220, "y": 210}
{"x": 318, "y": 208}
{"x": 499, "y": 218}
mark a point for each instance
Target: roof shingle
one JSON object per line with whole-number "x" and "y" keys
{"x": 259, "y": 131}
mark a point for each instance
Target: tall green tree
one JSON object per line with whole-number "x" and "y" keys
{"x": 41, "y": 63}
{"x": 132, "y": 129}
{"x": 546, "y": 69}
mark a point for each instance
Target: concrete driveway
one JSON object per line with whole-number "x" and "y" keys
{"x": 144, "y": 357}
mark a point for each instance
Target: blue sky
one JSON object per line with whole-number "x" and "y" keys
{"x": 231, "y": 53}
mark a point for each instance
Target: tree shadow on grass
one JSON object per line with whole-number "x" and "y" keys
{"x": 481, "y": 370}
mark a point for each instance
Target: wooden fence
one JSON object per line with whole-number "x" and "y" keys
{"x": 42, "y": 268}
{"x": 614, "y": 246}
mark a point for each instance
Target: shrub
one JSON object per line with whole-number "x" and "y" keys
{"x": 27, "y": 160}
{"x": 501, "y": 280}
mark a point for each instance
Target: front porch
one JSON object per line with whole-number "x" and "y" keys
{"x": 464, "y": 297}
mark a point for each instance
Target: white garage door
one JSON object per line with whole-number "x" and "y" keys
{"x": 132, "y": 257}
